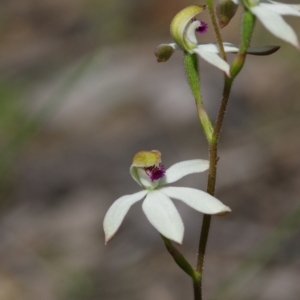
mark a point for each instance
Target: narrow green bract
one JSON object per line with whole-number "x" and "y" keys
{"x": 192, "y": 74}
{"x": 248, "y": 23}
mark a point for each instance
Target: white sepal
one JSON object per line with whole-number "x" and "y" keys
{"x": 196, "y": 199}
{"x": 213, "y": 58}
{"x": 116, "y": 213}
{"x": 163, "y": 215}
{"x": 282, "y": 8}
{"x": 275, "y": 24}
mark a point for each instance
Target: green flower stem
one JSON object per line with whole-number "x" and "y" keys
{"x": 193, "y": 78}
{"x": 238, "y": 63}
{"x": 219, "y": 123}
{"x": 211, "y": 183}
{"x": 211, "y": 9}
{"x": 181, "y": 261}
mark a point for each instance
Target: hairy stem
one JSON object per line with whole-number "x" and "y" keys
{"x": 211, "y": 184}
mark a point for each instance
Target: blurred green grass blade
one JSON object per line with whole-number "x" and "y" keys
{"x": 28, "y": 128}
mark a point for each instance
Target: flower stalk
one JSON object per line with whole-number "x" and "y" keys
{"x": 211, "y": 184}
{"x": 181, "y": 261}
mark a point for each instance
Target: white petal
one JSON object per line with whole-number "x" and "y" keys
{"x": 116, "y": 213}
{"x": 213, "y": 48}
{"x": 281, "y": 8}
{"x": 275, "y": 24}
{"x": 213, "y": 58}
{"x": 198, "y": 200}
{"x": 184, "y": 168}
{"x": 295, "y": 6}
{"x": 228, "y": 47}
{"x": 163, "y": 215}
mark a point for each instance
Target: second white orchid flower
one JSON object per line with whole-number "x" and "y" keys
{"x": 268, "y": 12}
{"x": 270, "y": 15}
{"x": 150, "y": 174}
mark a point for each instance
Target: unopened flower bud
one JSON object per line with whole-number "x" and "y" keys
{"x": 225, "y": 11}
{"x": 163, "y": 52}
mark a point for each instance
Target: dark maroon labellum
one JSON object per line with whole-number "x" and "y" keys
{"x": 156, "y": 172}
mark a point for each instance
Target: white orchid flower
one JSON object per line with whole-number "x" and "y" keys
{"x": 183, "y": 28}
{"x": 151, "y": 175}
{"x": 270, "y": 15}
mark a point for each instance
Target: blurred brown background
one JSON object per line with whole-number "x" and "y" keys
{"x": 80, "y": 94}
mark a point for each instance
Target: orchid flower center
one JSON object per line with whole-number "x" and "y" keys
{"x": 155, "y": 172}
{"x": 202, "y": 28}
